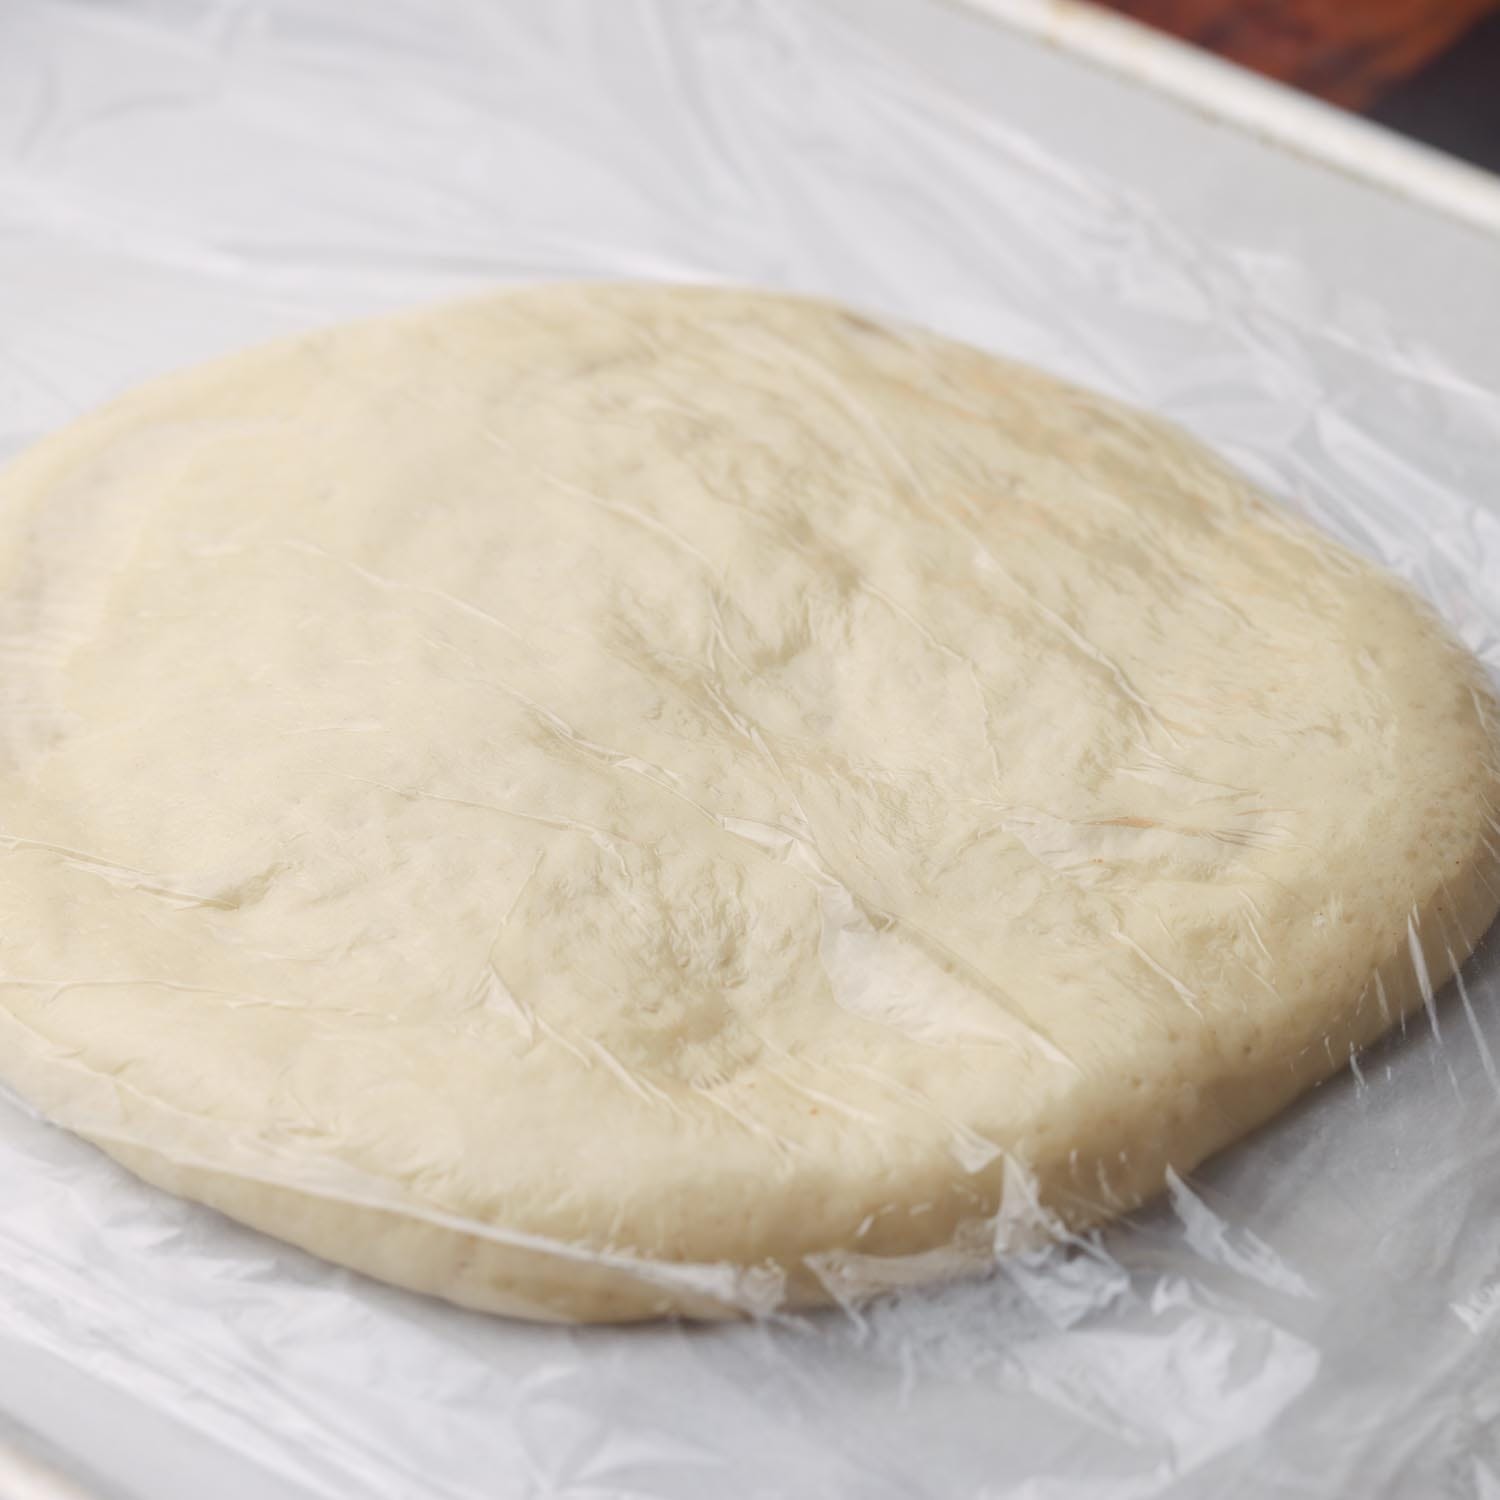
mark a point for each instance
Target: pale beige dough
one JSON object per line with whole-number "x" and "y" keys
{"x": 598, "y": 801}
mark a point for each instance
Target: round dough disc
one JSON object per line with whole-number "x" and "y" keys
{"x": 603, "y": 801}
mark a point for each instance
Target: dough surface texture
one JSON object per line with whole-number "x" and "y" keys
{"x": 600, "y": 801}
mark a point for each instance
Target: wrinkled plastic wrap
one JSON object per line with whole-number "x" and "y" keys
{"x": 1314, "y": 1311}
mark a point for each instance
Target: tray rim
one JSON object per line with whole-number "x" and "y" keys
{"x": 1292, "y": 123}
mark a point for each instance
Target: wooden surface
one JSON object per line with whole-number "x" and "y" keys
{"x": 1348, "y": 51}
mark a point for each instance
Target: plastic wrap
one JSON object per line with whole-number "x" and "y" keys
{"x": 1312, "y": 1312}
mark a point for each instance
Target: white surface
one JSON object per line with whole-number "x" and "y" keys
{"x": 1317, "y": 1315}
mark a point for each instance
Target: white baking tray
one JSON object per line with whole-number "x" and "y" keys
{"x": 1316, "y": 1312}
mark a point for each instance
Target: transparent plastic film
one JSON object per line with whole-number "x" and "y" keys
{"x": 656, "y": 675}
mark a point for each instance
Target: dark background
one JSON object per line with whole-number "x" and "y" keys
{"x": 1428, "y": 68}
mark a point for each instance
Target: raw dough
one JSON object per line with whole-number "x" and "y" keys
{"x": 607, "y": 800}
